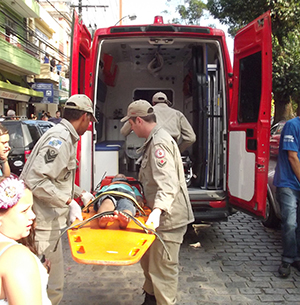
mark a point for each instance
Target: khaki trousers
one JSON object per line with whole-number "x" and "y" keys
{"x": 45, "y": 241}
{"x": 161, "y": 273}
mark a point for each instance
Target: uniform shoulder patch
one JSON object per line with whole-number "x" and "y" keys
{"x": 161, "y": 162}
{"x": 55, "y": 143}
{"x": 160, "y": 153}
{"x": 50, "y": 155}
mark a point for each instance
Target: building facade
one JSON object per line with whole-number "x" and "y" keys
{"x": 29, "y": 33}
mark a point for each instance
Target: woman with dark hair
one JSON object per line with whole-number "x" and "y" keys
{"x": 29, "y": 242}
{"x": 4, "y": 151}
{"x": 23, "y": 279}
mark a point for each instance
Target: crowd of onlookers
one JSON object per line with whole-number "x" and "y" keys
{"x": 44, "y": 116}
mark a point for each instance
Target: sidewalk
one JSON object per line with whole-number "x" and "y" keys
{"x": 236, "y": 265}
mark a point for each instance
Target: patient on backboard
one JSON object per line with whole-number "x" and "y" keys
{"x": 116, "y": 199}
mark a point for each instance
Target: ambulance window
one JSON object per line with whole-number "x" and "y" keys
{"x": 249, "y": 88}
{"x": 81, "y": 75}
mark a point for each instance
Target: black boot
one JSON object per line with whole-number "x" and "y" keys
{"x": 149, "y": 299}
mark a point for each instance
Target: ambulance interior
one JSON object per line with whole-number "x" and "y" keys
{"x": 190, "y": 73}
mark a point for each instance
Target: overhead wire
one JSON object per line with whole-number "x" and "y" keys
{"x": 53, "y": 19}
{"x": 91, "y": 15}
{"x": 31, "y": 32}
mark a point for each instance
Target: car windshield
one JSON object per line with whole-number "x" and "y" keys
{"x": 277, "y": 128}
{"x": 34, "y": 132}
{"x": 16, "y": 134}
{"x": 45, "y": 127}
{"x": 37, "y": 130}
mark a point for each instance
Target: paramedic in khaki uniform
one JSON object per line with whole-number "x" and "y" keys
{"x": 50, "y": 173}
{"x": 172, "y": 120}
{"x": 162, "y": 177}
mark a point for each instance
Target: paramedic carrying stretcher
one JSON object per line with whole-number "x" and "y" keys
{"x": 163, "y": 180}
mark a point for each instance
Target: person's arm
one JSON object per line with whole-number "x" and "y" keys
{"x": 295, "y": 163}
{"x": 21, "y": 277}
{"x": 126, "y": 129}
{"x": 4, "y": 162}
{"x": 5, "y": 167}
{"x": 139, "y": 196}
{"x": 140, "y": 201}
{"x": 166, "y": 177}
{"x": 187, "y": 134}
{"x": 78, "y": 191}
{"x": 41, "y": 175}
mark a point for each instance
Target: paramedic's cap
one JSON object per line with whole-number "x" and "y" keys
{"x": 81, "y": 102}
{"x": 138, "y": 108}
{"x": 160, "y": 97}
{"x": 11, "y": 112}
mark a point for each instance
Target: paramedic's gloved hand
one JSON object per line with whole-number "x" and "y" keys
{"x": 86, "y": 197}
{"x": 75, "y": 211}
{"x": 154, "y": 218}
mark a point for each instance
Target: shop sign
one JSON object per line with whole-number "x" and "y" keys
{"x": 49, "y": 91}
{"x": 63, "y": 83}
{"x": 14, "y": 96}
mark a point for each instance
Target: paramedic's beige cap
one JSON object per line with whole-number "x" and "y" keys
{"x": 81, "y": 102}
{"x": 160, "y": 97}
{"x": 11, "y": 112}
{"x": 138, "y": 108}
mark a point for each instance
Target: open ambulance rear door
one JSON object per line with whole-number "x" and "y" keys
{"x": 79, "y": 84}
{"x": 249, "y": 119}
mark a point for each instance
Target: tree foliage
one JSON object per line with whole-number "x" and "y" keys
{"x": 285, "y": 16}
{"x": 287, "y": 64}
{"x": 190, "y": 12}
{"x": 237, "y": 13}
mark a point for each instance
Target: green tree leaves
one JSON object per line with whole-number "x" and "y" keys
{"x": 190, "y": 12}
{"x": 285, "y": 16}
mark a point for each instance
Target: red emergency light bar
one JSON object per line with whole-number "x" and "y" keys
{"x": 158, "y": 19}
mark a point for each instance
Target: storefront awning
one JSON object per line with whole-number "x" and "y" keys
{"x": 19, "y": 89}
{"x": 14, "y": 92}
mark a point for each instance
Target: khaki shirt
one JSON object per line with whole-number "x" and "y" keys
{"x": 163, "y": 180}
{"x": 50, "y": 175}
{"x": 174, "y": 122}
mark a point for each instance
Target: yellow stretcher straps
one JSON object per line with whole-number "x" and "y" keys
{"x": 119, "y": 194}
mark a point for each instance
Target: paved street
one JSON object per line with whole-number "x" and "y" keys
{"x": 236, "y": 264}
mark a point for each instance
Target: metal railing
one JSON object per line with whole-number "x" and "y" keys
{"x": 24, "y": 40}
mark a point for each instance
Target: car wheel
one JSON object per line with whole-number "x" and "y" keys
{"x": 271, "y": 220}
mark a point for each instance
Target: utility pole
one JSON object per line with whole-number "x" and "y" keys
{"x": 120, "y": 11}
{"x": 80, "y": 6}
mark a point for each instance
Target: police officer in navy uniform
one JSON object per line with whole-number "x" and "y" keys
{"x": 50, "y": 174}
{"x": 163, "y": 180}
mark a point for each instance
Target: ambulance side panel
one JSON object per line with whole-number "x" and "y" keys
{"x": 80, "y": 61}
{"x": 249, "y": 125}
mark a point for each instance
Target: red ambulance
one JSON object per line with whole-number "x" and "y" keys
{"x": 229, "y": 109}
